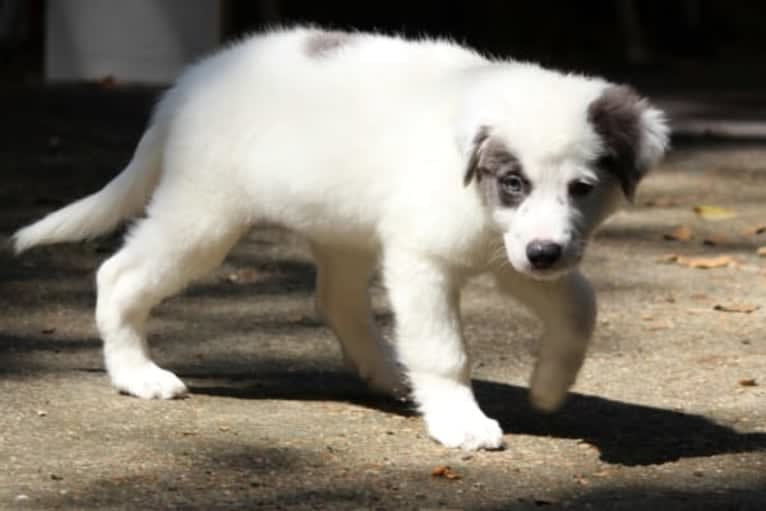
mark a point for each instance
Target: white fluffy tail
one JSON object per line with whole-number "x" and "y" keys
{"x": 97, "y": 214}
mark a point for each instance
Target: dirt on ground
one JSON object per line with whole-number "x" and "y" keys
{"x": 669, "y": 411}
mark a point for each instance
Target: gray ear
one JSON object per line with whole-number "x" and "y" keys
{"x": 635, "y": 135}
{"x": 475, "y": 153}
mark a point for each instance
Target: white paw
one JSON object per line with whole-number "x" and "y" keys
{"x": 469, "y": 431}
{"x": 148, "y": 381}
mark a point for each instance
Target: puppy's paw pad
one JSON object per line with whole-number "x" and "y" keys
{"x": 149, "y": 382}
{"x": 469, "y": 432}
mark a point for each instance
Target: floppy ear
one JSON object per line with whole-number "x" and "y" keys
{"x": 635, "y": 134}
{"x": 472, "y": 168}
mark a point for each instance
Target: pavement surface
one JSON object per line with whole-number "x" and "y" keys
{"x": 669, "y": 411}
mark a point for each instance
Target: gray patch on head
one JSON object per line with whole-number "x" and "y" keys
{"x": 616, "y": 118}
{"x": 492, "y": 161}
{"x": 473, "y": 159}
{"x": 321, "y": 44}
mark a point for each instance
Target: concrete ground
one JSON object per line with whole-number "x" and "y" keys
{"x": 669, "y": 411}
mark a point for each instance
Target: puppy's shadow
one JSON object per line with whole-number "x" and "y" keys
{"x": 296, "y": 385}
{"x": 624, "y": 433}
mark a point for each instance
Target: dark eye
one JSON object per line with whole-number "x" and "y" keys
{"x": 580, "y": 188}
{"x": 512, "y": 184}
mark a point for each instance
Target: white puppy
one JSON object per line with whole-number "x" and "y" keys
{"x": 423, "y": 156}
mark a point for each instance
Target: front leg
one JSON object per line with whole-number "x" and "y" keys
{"x": 424, "y": 295}
{"x": 567, "y": 308}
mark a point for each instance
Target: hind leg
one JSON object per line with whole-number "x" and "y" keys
{"x": 160, "y": 257}
{"x": 343, "y": 301}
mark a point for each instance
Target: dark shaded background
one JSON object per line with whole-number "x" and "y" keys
{"x": 695, "y": 42}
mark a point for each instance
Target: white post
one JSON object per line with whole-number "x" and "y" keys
{"x": 135, "y": 41}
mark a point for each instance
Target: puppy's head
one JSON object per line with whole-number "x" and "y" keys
{"x": 549, "y": 169}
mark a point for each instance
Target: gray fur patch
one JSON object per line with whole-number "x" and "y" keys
{"x": 321, "y": 44}
{"x": 493, "y": 165}
{"x": 616, "y": 117}
{"x": 473, "y": 160}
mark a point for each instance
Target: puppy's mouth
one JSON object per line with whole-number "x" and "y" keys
{"x": 548, "y": 274}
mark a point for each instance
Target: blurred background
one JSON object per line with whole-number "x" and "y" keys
{"x": 69, "y": 66}
{"x": 699, "y": 43}
{"x": 701, "y": 60}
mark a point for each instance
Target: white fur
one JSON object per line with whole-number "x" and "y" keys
{"x": 362, "y": 150}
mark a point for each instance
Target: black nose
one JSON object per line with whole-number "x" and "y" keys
{"x": 543, "y": 253}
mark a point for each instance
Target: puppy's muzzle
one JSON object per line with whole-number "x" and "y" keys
{"x": 543, "y": 254}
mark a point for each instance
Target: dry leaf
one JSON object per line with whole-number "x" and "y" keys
{"x": 754, "y": 231}
{"x": 716, "y": 239}
{"x": 656, "y": 326}
{"x": 745, "y": 308}
{"x": 680, "y": 233}
{"x": 705, "y": 263}
{"x": 714, "y": 213}
{"x": 748, "y": 382}
{"x": 438, "y": 470}
{"x": 445, "y": 472}
{"x": 761, "y": 251}
{"x": 668, "y": 258}
{"x": 582, "y": 480}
